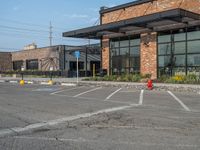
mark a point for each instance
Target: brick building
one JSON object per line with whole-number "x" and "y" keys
{"x": 33, "y": 58}
{"x": 5, "y": 61}
{"x": 59, "y": 57}
{"x": 157, "y": 37}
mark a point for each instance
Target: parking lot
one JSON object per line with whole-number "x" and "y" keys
{"x": 89, "y": 117}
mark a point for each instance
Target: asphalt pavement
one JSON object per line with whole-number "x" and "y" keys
{"x": 35, "y": 117}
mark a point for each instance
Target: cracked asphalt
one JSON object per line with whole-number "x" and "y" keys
{"x": 38, "y": 117}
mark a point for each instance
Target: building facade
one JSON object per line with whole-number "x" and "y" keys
{"x": 5, "y": 61}
{"x": 39, "y": 58}
{"x": 157, "y": 37}
{"x": 59, "y": 58}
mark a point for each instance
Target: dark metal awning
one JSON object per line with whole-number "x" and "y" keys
{"x": 167, "y": 20}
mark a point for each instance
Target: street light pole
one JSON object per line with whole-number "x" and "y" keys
{"x": 77, "y": 74}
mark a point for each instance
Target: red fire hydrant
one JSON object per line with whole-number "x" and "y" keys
{"x": 150, "y": 84}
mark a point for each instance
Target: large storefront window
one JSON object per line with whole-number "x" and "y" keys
{"x": 179, "y": 52}
{"x": 17, "y": 65}
{"x": 125, "y": 55}
{"x": 32, "y": 64}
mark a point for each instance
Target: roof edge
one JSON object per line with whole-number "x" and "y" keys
{"x": 138, "y": 2}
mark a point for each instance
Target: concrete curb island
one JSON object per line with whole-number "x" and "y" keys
{"x": 72, "y": 82}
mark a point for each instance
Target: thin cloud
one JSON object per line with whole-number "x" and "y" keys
{"x": 76, "y": 16}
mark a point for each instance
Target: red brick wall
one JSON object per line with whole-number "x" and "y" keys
{"x": 148, "y": 54}
{"x": 105, "y": 54}
{"x": 5, "y": 61}
{"x": 39, "y": 54}
{"x": 150, "y": 8}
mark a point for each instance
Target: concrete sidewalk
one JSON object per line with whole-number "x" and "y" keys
{"x": 73, "y": 82}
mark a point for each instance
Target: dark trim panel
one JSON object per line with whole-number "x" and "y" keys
{"x": 138, "y": 2}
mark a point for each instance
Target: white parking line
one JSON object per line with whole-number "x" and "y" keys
{"x": 87, "y": 92}
{"x": 141, "y": 97}
{"x": 107, "y": 98}
{"x": 65, "y": 90}
{"x": 6, "y": 132}
{"x": 179, "y": 101}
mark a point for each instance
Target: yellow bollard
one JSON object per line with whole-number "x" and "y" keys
{"x": 22, "y": 82}
{"x": 50, "y": 82}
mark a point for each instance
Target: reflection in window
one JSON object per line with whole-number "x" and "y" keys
{"x": 193, "y": 35}
{"x": 32, "y": 64}
{"x": 164, "y": 38}
{"x": 179, "y": 60}
{"x": 164, "y": 61}
{"x": 194, "y": 60}
{"x": 180, "y": 48}
{"x": 126, "y": 58}
{"x": 180, "y": 37}
{"x": 164, "y": 49}
{"x": 193, "y": 46}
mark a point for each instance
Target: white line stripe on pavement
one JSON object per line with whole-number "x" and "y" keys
{"x": 107, "y": 98}
{"x": 66, "y": 90}
{"x": 87, "y": 92}
{"x": 179, "y": 101}
{"x": 141, "y": 97}
{"x": 84, "y": 140}
{"x": 5, "y": 132}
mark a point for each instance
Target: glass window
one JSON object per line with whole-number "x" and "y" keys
{"x": 193, "y": 35}
{"x": 164, "y": 61}
{"x": 114, "y": 44}
{"x": 194, "y": 70}
{"x": 32, "y": 64}
{"x": 115, "y": 51}
{"x": 164, "y": 49}
{"x": 124, "y": 51}
{"x": 164, "y": 38}
{"x": 180, "y": 37}
{"x": 124, "y": 43}
{"x": 134, "y": 42}
{"x": 179, "y": 60}
{"x": 179, "y": 48}
{"x": 135, "y": 51}
{"x": 178, "y": 71}
{"x": 193, "y": 46}
{"x": 134, "y": 62}
{"x": 73, "y": 65}
{"x": 193, "y": 60}
{"x": 17, "y": 65}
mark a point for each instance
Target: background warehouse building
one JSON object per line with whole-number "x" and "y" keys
{"x": 157, "y": 37}
{"x": 60, "y": 57}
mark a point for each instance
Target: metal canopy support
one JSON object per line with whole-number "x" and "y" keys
{"x": 137, "y": 25}
{"x": 170, "y": 27}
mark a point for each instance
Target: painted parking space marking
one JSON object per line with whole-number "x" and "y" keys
{"x": 141, "y": 97}
{"x": 45, "y": 90}
{"x": 65, "y": 90}
{"x": 107, "y": 98}
{"x": 179, "y": 101}
{"x": 87, "y": 92}
{"x": 18, "y": 130}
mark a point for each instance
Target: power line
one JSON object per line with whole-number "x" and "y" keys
{"x": 23, "y": 29}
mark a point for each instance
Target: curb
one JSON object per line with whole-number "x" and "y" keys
{"x": 68, "y": 84}
{"x": 2, "y": 81}
{"x": 13, "y": 81}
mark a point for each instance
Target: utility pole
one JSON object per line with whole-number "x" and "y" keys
{"x": 50, "y": 33}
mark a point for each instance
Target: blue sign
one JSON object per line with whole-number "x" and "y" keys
{"x": 77, "y": 54}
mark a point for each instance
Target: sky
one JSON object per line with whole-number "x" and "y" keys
{"x": 23, "y": 22}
